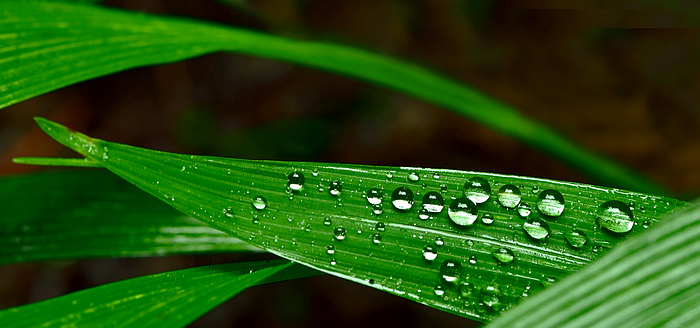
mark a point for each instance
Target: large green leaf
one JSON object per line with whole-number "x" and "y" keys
{"x": 170, "y": 299}
{"x": 649, "y": 281}
{"x": 47, "y": 45}
{"x": 72, "y": 215}
{"x": 423, "y": 240}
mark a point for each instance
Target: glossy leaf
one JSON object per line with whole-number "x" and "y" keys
{"x": 170, "y": 299}
{"x": 472, "y": 260}
{"x": 72, "y": 215}
{"x": 48, "y": 45}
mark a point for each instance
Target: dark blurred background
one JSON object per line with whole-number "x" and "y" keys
{"x": 621, "y": 83}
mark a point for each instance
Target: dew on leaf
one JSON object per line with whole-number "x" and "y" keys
{"x": 466, "y": 288}
{"x": 503, "y": 255}
{"x": 576, "y": 238}
{"x": 509, "y": 196}
{"x": 487, "y": 219}
{"x": 550, "y": 203}
{"x": 228, "y": 212}
{"x": 477, "y": 189}
{"x": 413, "y": 177}
{"x": 295, "y": 180}
{"x": 436, "y": 176}
{"x": 335, "y": 187}
{"x": 463, "y": 212}
{"x": 433, "y": 202}
{"x": 536, "y": 228}
{"x": 333, "y": 261}
{"x": 374, "y": 196}
{"x": 376, "y": 238}
{"x": 402, "y": 198}
{"x": 377, "y": 209}
{"x": 451, "y": 271}
{"x": 339, "y": 233}
{"x": 615, "y": 216}
{"x": 439, "y": 241}
{"x": 327, "y": 221}
{"x": 472, "y": 259}
{"x": 330, "y": 249}
{"x": 429, "y": 253}
{"x": 380, "y": 226}
{"x": 259, "y": 202}
{"x": 491, "y": 296}
{"x": 423, "y": 214}
{"x": 524, "y": 210}
{"x": 439, "y": 291}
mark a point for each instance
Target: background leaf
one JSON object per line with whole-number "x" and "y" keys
{"x": 524, "y": 235}
{"x": 51, "y": 45}
{"x": 73, "y": 215}
{"x": 170, "y": 299}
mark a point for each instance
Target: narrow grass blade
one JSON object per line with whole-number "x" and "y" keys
{"x": 651, "y": 280}
{"x": 71, "y": 215}
{"x": 56, "y": 161}
{"x": 50, "y": 45}
{"x": 171, "y": 299}
{"x": 412, "y": 232}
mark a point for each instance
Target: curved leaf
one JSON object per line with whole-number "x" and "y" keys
{"x": 473, "y": 260}
{"x": 51, "y": 45}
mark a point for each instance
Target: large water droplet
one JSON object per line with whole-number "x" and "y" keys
{"x": 477, "y": 189}
{"x": 463, "y": 212}
{"x": 615, "y": 216}
{"x": 491, "y": 296}
{"x": 374, "y": 196}
{"x": 429, "y": 253}
{"x": 295, "y": 180}
{"x": 335, "y": 187}
{"x": 451, "y": 271}
{"x": 503, "y": 255}
{"x": 433, "y": 202}
{"x": 524, "y": 210}
{"x": 536, "y": 228}
{"x": 259, "y": 202}
{"x": 376, "y": 238}
{"x": 550, "y": 203}
{"x": 509, "y": 196}
{"x": 402, "y": 198}
{"x": 339, "y": 233}
{"x": 576, "y": 238}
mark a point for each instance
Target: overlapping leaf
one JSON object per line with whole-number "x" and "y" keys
{"x": 48, "y": 45}
{"x": 416, "y": 235}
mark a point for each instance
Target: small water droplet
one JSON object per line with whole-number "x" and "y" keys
{"x": 477, "y": 189}
{"x": 105, "y": 154}
{"x": 576, "y": 238}
{"x": 535, "y": 189}
{"x": 389, "y": 175}
{"x": 333, "y": 261}
{"x": 259, "y": 202}
{"x": 339, "y": 233}
{"x": 413, "y": 177}
{"x": 550, "y": 203}
{"x": 335, "y": 188}
{"x": 465, "y": 289}
{"x": 451, "y": 271}
{"x": 423, "y": 214}
{"x": 376, "y": 238}
{"x": 295, "y": 180}
{"x": 536, "y": 228}
{"x": 433, "y": 202}
{"x": 429, "y": 253}
{"x": 524, "y": 210}
{"x": 439, "y": 291}
{"x": 228, "y": 212}
{"x": 314, "y": 172}
{"x": 402, "y": 198}
{"x": 374, "y": 196}
{"x": 380, "y": 226}
{"x": 463, "y": 212}
{"x": 503, "y": 255}
{"x": 472, "y": 259}
{"x": 327, "y": 221}
{"x": 487, "y": 219}
{"x": 377, "y": 209}
{"x": 436, "y": 176}
{"x": 439, "y": 241}
{"x": 646, "y": 224}
{"x": 330, "y": 249}
{"x": 615, "y": 216}
{"x": 509, "y": 196}
{"x": 490, "y": 296}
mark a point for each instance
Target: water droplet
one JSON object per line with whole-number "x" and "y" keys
{"x": 463, "y": 212}
{"x": 228, "y": 212}
{"x": 295, "y": 180}
{"x": 472, "y": 259}
{"x": 576, "y": 238}
{"x": 433, "y": 202}
{"x": 451, "y": 271}
{"x": 327, "y": 221}
{"x": 646, "y": 224}
{"x": 377, "y": 209}
{"x": 339, "y": 233}
{"x": 402, "y": 198}
{"x": 436, "y": 176}
{"x": 487, "y": 219}
{"x": 439, "y": 242}
{"x": 524, "y": 210}
{"x": 429, "y": 253}
{"x": 105, "y": 153}
{"x": 374, "y": 196}
{"x": 477, "y": 189}
{"x": 413, "y": 177}
{"x": 490, "y": 296}
{"x": 333, "y": 261}
{"x": 535, "y": 189}
{"x": 503, "y": 255}
{"x": 536, "y": 228}
{"x": 380, "y": 226}
{"x": 615, "y": 216}
{"x": 465, "y": 289}
{"x": 389, "y": 175}
{"x": 376, "y": 238}
{"x": 330, "y": 249}
{"x": 314, "y": 172}
{"x": 550, "y": 202}
{"x": 509, "y": 196}
{"x": 335, "y": 188}
{"x": 423, "y": 214}
{"x": 439, "y": 291}
{"x": 259, "y": 202}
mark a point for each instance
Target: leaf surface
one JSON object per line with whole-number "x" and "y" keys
{"x": 418, "y": 235}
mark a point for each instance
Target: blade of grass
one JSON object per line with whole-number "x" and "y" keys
{"x": 651, "y": 280}
{"x": 472, "y": 260}
{"x": 72, "y": 215}
{"x": 50, "y": 45}
{"x": 170, "y": 299}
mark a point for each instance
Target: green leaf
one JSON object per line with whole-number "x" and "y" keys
{"x": 472, "y": 260}
{"x": 170, "y": 299}
{"x": 73, "y": 215}
{"x": 651, "y": 280}
{"x": 47, "y": 46}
